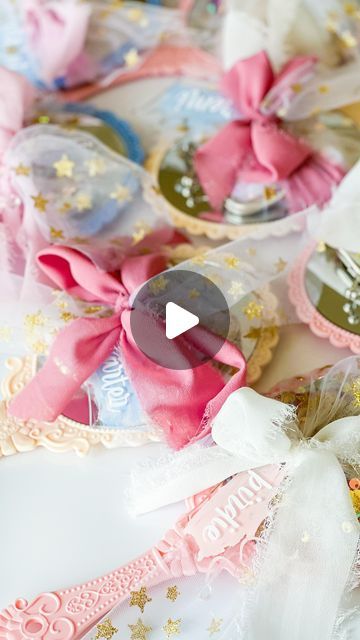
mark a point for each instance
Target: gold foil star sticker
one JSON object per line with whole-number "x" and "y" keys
{"x": 139, "y": 631}
{"x": 139, "y": 599}
{"x": 215, "y": 626}
{"x": 105, "y": 630}
{"x": 83, "y": 202}
{"x": 172, "y": 593}
{"x": 280, "y": 265}
{"x": 64, "y": 167}
{"x": 40, "y": 203}
{"x": 131, "y": 58}
{"x": 56, "y": 234}
{"x": 121, "y": 194}
{"x": 253, "y": 310}
{"x": 232, "y": 262}
{"x": 96, "y": 166}
{"x": 172, "y": 628}
{"x": 22, "y": 170}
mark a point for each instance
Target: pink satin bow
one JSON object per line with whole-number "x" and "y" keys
{"x": 16, "y": 96}
{"x": 255, "y": 148}
{"x": 182, "y": 403}
{"x": 56, "y": 32}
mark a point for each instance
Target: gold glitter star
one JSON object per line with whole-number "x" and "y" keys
{"x": 22, "y": 170}
{"x": 172, "y": 627}
{"x": 121, "y": 194}
{"x": 139, "y": 599}
{"x": 105, "y": 630}
{"x": 64, "y": 167}
{"x": 158, "y": 284}
{"x": 348, "y": 40}
{"x": 39, "y": 347}
{"x": 56, "y": 234}
{"x": 33, "y": 320}
{"x": 253, "y": 310}
{"x": 324, "y": 88}
{"x": 232, "y": 262}
{"x": 40, "y": 202}
{"x": 5, "y": 334}
{"x": 215, "y": 626}
{"x": 280, "y": 265}
{"x": 355, "y": 388}
{"x": 137, "y": 15}
{"x": 139, "y": 631}
{"x": 350, "y": 8}
{"x": 96, "y": 166}
{"x": 254, "y": 333}
{"x": 193, "y": 294}
{"x": 200, "y": 259}
{"x": 131, "y": 58}
{"x": 236, "y": 288}
{"x": 83, "y": 202}
{"x": 269, "y": 192}
{"x": 95, "y": 308}
{"x": 67, "y": 316}
{"x": 172, "y": 593}
{"x": 321, "y": 246}
{"x": 297, "y": 87}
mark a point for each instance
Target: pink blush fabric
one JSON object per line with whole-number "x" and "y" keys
{"x": 16, "y": 97}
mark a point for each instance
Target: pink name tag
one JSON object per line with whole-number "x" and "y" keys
{"x": 235, "y": 511}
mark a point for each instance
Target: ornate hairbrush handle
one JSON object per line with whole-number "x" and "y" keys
{"x": 68, "y": 614}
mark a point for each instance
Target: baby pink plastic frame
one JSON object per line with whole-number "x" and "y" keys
{"x": 308, "y": 313}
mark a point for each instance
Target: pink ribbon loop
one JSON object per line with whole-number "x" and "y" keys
{"x": 181, "y": 402}
{"x": 256, "y": 148}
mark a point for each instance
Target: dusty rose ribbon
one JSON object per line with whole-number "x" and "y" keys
{"x": 182, "y": 403}
{"x": 255, "y": 148}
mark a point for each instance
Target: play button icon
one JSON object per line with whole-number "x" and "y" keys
{"x": 178, "y": 320}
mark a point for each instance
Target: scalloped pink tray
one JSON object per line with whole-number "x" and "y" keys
{"x": 307, "y": 312}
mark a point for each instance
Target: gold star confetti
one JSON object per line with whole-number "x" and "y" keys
{"x": 193, "y": 294}
{"x": 215, "y": 626}
{"x": 236, "y": 288}
{"x": 33, "y": 320}
{"x": 22, "y": 170}
{"x": 96, "y": 166}
{"x": 269, "y": 192}
{"x": 56, "y": 234}
{"x": 324, "y": 88}
{"x": 232, "y": 262}
{"x": 158, "y": 284}
{"x": 355, "y": 388}
{"x": 172, "y": 628}
{"x": 131, "y": 58}
{"x": 39, "y": 347}
{"x": 172, "y": 593}
{"x": 253, "y": 310}
{"x": 350, "y": 8}
{"x": 65, "y": 208}
{"x": 137, "y": 15}
{"x": 83, "y": 202}
{"x": 139, "y": 598}
{"x": 139, "y": 631}
{"x": 297, "y": 87}
{"x": 67, "y": 316}
{"x": 321, "y": 246}
{"x": 280, "y": 265}
{"x": 121, "y": 194}
{"x": 95, "y": 308}
{"x": 105, "y": 630}
{"x": 12, "y": 49}
{"x": 5, "y": 334}
{"x": 254, "y": 333}
{"x": 40, "y": 202}
{"x": 64, "y": 167}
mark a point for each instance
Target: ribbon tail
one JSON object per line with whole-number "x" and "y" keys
{"x": 309, "y": 555}
{"x": 76, "y": 353}
{"x": 217, "y": 161}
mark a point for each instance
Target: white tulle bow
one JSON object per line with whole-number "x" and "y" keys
{"x": 312, "y": 545}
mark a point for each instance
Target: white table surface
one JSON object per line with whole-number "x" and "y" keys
{"x": 63, "y": 519}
